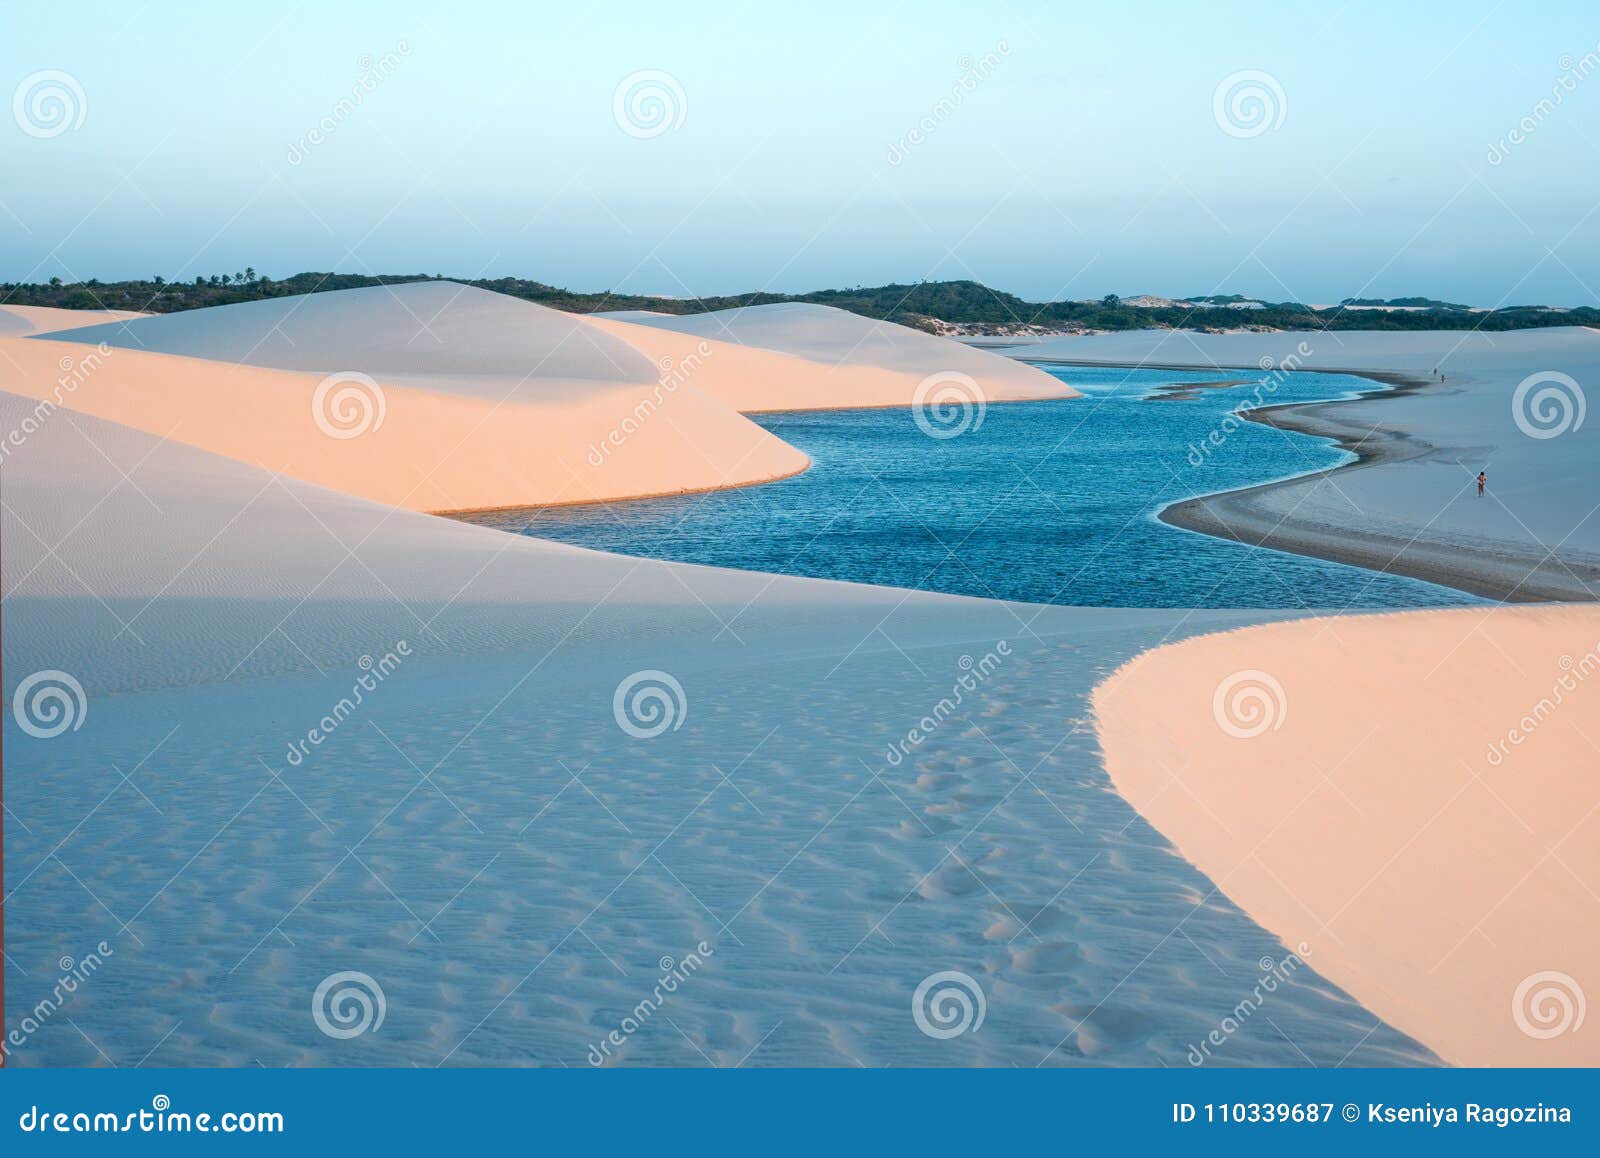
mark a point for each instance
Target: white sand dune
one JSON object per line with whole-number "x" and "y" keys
{"x": 452, "y": 398}
{"x": 482, "y": 838}
{"x": 1441, "y": 871}
{"x": 16, "y": 321}
{"x": 755, "y": 380}
{"x": 447, "y": 398}
{"x": 796, "y": 356}
{"x": 217, "y": 550}
{"x": 435, "y": 328}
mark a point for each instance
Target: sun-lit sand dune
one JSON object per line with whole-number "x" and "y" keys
{"x": 442, "y": 398}
{"x": 752, "y": 379}
{"x": 796, "y": 356}
{"x": 16, "y": 321}
{"x": 1413, "y": 796}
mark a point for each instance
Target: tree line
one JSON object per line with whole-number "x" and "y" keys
{"x": 920, "y": 304}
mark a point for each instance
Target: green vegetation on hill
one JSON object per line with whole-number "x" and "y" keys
{"x": 1414, "y": 303}
{"x": 1220, "y": 299}
{"x": 922, "y": 304}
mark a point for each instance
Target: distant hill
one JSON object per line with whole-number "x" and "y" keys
{"x": 1403, "y": 303}
{"x": 1238, "y": 301}
{"x": 966, "y": 307}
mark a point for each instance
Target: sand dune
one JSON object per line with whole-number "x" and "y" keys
{"x": 434, "y": 328}
{"x": 795, "y": 356}
{"x": 211, "y": 562}
{"x": 215, "y": 550}
{"x": 442, "y": 398}
{"x": 16, "y": 321}
{"x": 450, "y": 398}
{"x": 1440, "y": 869}
{"x": 482, "y": 837}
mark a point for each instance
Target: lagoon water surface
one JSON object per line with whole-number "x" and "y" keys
{"x": 1042, "y": 502}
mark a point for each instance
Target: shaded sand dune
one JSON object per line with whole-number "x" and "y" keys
{"x": 795, "y": 356}
{"x": 1412, "y": 795}
{"x": 1411, "y": 506}
{"x": 442, "y": 398}
{"x": 196, "y": 567}
{"x": 483, "y": 837}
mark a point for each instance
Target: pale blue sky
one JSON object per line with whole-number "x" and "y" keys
{"x": 1088, "y": 161}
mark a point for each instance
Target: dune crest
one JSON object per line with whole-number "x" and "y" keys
{"x": 796, "y": 356}
{"x": 19, "y": 321}
{"x": 416, "y": 328}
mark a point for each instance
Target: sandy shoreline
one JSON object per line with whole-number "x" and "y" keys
{"x": 1412, "y": 424}
{"x": 1241, "y": 515}
{"x": 711, "y": 488}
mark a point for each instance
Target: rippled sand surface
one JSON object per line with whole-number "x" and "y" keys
{"x": 513, "y": 884}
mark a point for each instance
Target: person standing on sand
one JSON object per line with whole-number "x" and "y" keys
{"x": 1483, "y": 481}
